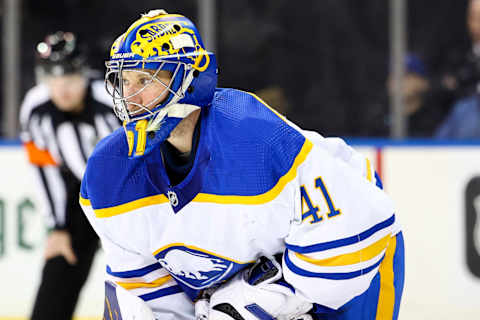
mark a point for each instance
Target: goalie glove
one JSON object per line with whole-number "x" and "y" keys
{"x": 254, "y": 295}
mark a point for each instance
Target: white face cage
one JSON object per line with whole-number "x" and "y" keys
{"x": 114, "y": 80}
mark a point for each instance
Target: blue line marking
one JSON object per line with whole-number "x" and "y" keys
{"x": 360, "y": 141}
{"x": 10, "y": 143}
{"x": 411, "y": 142}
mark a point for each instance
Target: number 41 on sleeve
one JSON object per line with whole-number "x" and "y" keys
{"x": 310, "y": 209}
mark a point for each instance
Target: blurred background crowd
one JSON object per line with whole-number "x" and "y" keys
{"x": 325, "y": 64}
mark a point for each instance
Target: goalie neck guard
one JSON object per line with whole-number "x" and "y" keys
{"x": 155, "y": 43}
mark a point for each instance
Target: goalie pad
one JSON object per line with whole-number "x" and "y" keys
{"x": 254, "y": 295}
{"x": 122, "y": 305}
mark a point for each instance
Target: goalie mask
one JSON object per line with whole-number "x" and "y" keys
{"x": 165, "y": 53}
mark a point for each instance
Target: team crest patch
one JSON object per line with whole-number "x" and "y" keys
{"x": 196, "y": 269}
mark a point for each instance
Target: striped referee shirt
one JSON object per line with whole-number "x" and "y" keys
{"x": 59, "y": 143}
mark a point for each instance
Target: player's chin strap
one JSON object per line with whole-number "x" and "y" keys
{"x": 255, "y": 294}
{"x": 144, "y": 135}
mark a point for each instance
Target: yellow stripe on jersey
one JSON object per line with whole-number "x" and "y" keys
{"x": 84, "y": 202}
{"x": 211, "y": 198}
{"x": 369, "y": 170}
{"x": 386, "y": 298}
{"x": 267, "y": 196}
{"x": 129, "y": 206}
{"x": 198, "y": 249}
{"x": 364, "y": 254}
{"x": 135, "y": 285}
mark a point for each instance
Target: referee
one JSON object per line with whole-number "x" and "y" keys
{"x": 62, "y": 119}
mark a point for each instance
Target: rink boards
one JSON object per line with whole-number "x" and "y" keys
{"x": 436, "y": 188}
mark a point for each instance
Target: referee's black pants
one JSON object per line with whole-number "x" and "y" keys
{"x": 61, "y": 282}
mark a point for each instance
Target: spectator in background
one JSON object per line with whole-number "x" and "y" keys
{"x": 463, "y": 121}
{"x": 419, "y": 99}
{"x": 462, "y": 73}
{"x": 62, "y": 119}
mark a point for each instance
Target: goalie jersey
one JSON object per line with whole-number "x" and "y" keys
{"x": 258, "y": 186}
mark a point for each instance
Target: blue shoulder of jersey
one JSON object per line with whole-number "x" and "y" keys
{"x": 249, "y": 148}
{"x": 111, "y": 178}
{"x": 251, "y": 145}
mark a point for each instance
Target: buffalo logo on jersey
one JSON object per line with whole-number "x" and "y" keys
{"x": 196, "y": 269}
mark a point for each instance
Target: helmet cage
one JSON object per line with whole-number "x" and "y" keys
{"x": 177, "y": 86}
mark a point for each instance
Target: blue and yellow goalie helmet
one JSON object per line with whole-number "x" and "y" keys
{"x": 158, "y": 42}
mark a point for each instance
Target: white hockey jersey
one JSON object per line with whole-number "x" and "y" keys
{"x": 258, "y": 186}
